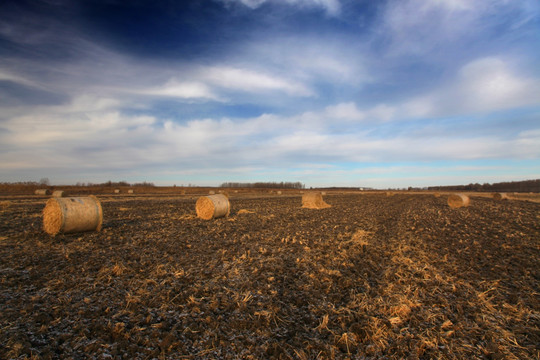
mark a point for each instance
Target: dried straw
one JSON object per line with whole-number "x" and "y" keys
{"x": 69, "y": 215}
{"x": 42, "y": 192}
{"x": 313, "y": 200}
{"x": 212, "y": 206}
{"x": 458, "y": 200}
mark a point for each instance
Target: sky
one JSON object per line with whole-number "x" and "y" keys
{"x": 383, "y": 94}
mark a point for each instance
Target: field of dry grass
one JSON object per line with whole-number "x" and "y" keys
{"x": 371, "y": 277}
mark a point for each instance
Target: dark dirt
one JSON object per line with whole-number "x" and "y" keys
{"x": 372, "y": 277}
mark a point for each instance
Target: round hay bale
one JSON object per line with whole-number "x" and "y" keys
{"x": 212, "y": 206}
{"x": 437, "y": 195}
{"x": 314, "y": 200}
{"x": 130, "y": 191}
{"x": 42, "y": 192}
{"x": 500, "y": 196}
{"x": 73, "y": 214}
{"x": 117, "y": 191}
{"x": 279, "y": 193}
{"x": 389, "y": 193}
{"x": 211, "y": 192}
{"x": 59, "y": 193}
{"x": 458, "y": 200}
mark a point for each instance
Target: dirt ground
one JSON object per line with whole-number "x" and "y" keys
{"x": 372, "y": 277}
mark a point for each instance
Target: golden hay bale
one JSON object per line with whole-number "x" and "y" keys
{"x": 42, "y": 192}
{"x": 389, "y": 193}
{"x": 279, "y": 192}
{"x": 117, "y": 191}
{"x": 59, "y": 193}
{"x": 74, "y": 214}
{"x": 458, "y": 200}
{"x": 211, "y": 192}
{"x": 500, "y": 196}
{"x": 437, "y": 195}
{"x": 314, "y": 200}
{"x": 212, "y": 206}
{"x": 130, "y": 191}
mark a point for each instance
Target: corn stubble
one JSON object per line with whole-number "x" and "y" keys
{"x": 371, "y": 277}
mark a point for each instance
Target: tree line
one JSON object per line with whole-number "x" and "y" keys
{"x": 265, "y": 185}
{"x": 510, "y": 186}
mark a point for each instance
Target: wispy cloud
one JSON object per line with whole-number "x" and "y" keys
{"x": 332, "y": 7}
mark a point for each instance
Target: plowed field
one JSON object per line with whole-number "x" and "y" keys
{"x": 372, "y": 277}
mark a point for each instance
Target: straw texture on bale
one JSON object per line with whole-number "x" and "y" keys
{"x": 70, "y": 215}
{"x": 117, "y": 191}
{"x": 313, "y": 200}
{"x": 458, "y": 200}
{"x": 42, "y": 192}
{"x": 212, "y": 206}
{"x": 500, "y": 196}
{"x": 59, "y": 193}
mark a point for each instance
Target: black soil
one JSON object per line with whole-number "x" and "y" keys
{"x": 372, "y": 277}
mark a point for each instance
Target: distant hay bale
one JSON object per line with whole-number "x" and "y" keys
{"x": 130, "y": 191}
{"x": 313, "y": 200}
{"x": 437, "y": 195}
{"x": 500, "y": 196}
{"x": 389, "y": 193}
{"x": 59, "y": 193}
{"x": 212, "y": 206}
{"x": 73, "y": 214}
{"x": 211, "y": 192}
{"x": 458, "y": 200}
{"x": 279, "y": 192}
{"x": 117, "y": 191}
{"x": 42, "y": 192}
{"x": 323, "y": 192}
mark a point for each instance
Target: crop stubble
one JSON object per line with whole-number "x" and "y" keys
{"x": 373, "y": 276}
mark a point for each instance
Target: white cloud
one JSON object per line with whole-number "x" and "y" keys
{"x": 332, "y": 7}
{"x": 420, "y": 26}
{"x": 484, "y": 85}
{"x": 248, "y": 80}
{"x": 180, "y": 89}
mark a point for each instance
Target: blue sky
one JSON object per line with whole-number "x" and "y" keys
{"x": 382, "y": 94}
